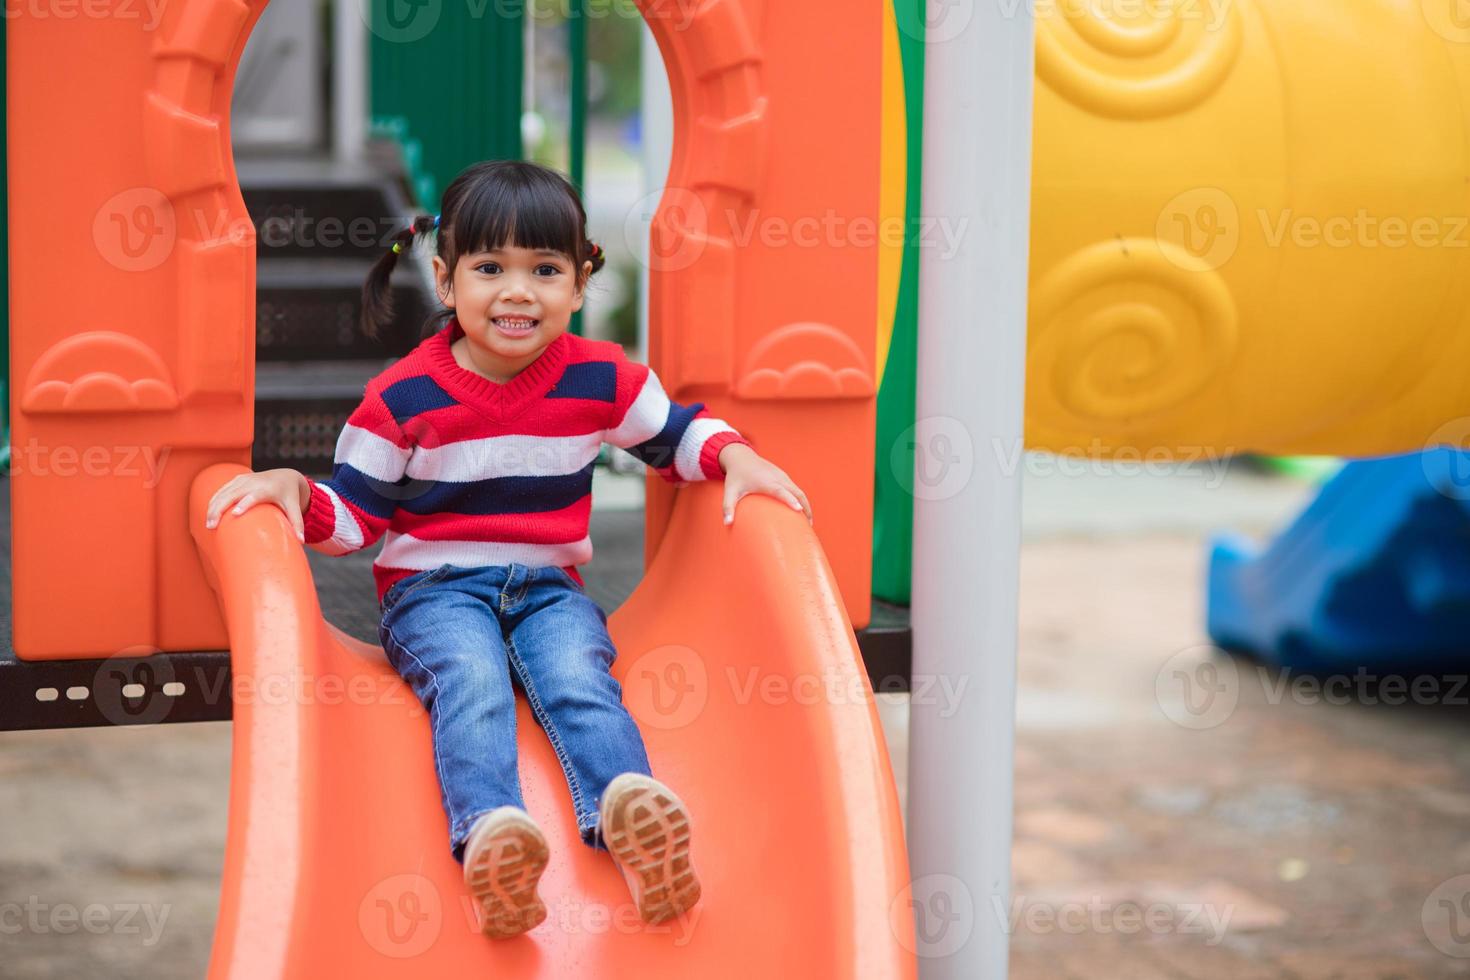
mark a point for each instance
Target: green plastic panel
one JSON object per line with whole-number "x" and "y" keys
{"x": 893, "y": 504}
{"x": 446, "y": 82}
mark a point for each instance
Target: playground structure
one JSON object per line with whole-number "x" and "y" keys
{"x": 335, "y": 827}
{"x": 1157, "y": 299}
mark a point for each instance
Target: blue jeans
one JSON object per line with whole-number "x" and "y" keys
{"x": 458, "y": 636}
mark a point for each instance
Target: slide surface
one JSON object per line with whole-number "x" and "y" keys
{"x": 739, "y": 662}
{"x": 1375, "y": 573}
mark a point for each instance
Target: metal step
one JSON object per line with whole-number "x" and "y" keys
{"x": 380, "y": 164}
{"x": 307, "y": 309}
{"x": 326, "y": 222}
{"x": 300, "y": 408}
{"x": 318, "y": 208}
{"x": 321, "y": 224}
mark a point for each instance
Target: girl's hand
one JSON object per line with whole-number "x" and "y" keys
{"x": 746, "y": 471}
{"x": 285, "y": 488}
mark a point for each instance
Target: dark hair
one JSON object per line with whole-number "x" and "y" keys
{"x": 492, "y": 204}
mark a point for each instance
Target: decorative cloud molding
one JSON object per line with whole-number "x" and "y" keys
{"x": 99, "y": 371}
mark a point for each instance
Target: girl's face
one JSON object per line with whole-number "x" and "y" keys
{"x": 512, "y": 302}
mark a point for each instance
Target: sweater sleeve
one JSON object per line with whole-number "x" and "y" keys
{"x": 351, "y": 510}
{"x": 681, "y": 443}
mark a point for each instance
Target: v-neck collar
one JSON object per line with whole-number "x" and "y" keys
{"x": 499, "y": 401}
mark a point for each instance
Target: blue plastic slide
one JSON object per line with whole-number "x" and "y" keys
{"x": 1374, "y": 574}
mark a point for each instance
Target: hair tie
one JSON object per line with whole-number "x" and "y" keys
{"x": 436, "y": 221}
{"x": 596, "y": 249}
{"x": 397, "y": 247}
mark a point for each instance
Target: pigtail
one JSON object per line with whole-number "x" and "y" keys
{"x": 377, "y": 295}
{"x": 593, "y": 252}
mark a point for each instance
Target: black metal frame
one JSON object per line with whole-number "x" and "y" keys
{"x": 103, "y": 696}
{"x": 888, "y": 655}
{"x": 94, "y": 693}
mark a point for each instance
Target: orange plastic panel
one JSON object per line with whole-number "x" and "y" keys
{"x": 337, "y": 859}
{"x": 132, "y": 285}
{"x": 764, "y": 284}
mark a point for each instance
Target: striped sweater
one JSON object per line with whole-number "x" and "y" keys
{"x": 457, "y": 469}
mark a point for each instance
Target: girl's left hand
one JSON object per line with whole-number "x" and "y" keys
{"x": 746, "y": 471}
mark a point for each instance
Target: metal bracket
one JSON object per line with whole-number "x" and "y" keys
{"x": 160, "y": 689}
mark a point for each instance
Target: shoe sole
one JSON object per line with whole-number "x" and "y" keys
{"x": 647, "y": 831}
{"x": 502, "y": 873}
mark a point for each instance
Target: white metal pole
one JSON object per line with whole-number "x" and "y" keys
{"x": 349, "y": 81}
{"x": 967, "y": 508}
{"x": 656, "y": 124}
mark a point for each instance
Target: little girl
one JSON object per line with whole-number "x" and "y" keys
{"x": 472, "y": 456}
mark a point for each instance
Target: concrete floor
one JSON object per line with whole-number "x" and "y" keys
{"x": 1273, "y": 835}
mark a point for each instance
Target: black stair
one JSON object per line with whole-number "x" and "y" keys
{"x": 320, "y": 226}
{"x": 306, "y": 309}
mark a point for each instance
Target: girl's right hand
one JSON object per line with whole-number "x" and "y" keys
{"x": 286, "y": 488}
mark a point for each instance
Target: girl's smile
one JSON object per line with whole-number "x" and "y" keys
{"x": 512, "y": 302}
{"x": 515, "y": 326}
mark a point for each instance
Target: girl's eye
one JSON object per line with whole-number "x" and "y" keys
{"x": 490, "y": 268}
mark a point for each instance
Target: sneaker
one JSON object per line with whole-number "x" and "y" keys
{"x": 503, "y": 860}
{"x": 646, "y": 827}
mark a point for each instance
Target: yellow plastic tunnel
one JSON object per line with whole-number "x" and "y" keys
{"x": 1250, "y": 226}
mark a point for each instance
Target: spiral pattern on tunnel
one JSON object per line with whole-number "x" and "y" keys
{"x": 1137, "y": 58}
{"x": 1127, "y": 332}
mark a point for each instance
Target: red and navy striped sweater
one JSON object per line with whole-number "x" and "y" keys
{"x": 457, "y": 469}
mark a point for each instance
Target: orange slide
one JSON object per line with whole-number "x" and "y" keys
{"x": 739, "y": 662}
